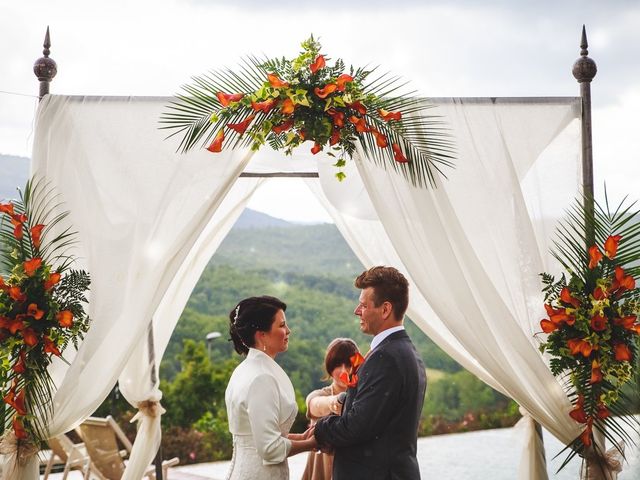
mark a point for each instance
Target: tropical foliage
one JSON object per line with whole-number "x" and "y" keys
{"x": 593, "y": 320}
{"x": 41, "y": 307}
{"x": 287, "y": 102}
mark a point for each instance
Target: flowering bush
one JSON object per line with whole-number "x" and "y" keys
{"x": 593, "y": 321}
{"x": 287, "y": 102}
{"x": 41, "y": 308}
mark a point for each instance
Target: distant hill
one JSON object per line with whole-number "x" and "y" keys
{"x": 252, "y": 219}
{"x": 15, "y": 171}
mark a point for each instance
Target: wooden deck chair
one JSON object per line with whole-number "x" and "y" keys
{"x": 74, "y": 456}
{"x": 108, "y": 446}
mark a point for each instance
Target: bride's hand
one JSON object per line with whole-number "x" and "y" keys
{"x": 301, "y": 436}
{"x": 308, "y": 432}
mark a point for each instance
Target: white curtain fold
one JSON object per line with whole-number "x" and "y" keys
{"x": 472, "y": 247}
{"x": 139, "y": 209}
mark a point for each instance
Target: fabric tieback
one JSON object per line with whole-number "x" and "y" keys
{"x": 17, "y": 452}
{"x": 148, "y": 408}
{"x": 611, "y": 460}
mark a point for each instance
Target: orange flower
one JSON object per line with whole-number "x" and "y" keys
{"x": 7, "y": 208}
{"x": 599, "y": 293}
{"x": 287, "y": 107}
{"x": 578, "y": 413}
{"x": 317, "y": 64}
{"x": 388, "y": 116}
{"x": 4, "y": 322}
{"x": 579, "y": 346}
{"x": 316, "y": 148}
{"x": 3, "y": 286}
{"x": 548, "y": 326}
{"x": 18, "y": 429}
{"x": 52, "y": 280}
{"x": 30, "y": 336}
{"x": 337, "y": 117}
{"x": 381, "y": 140}
{"x": 358, "y": 107}
{"x": 349, "y": 380}
{"x": 30, "y": 266}
{"x": 565, "y": 296}
{"x": 20, "y": 366}
{"x": 241, "y": 127}
{"x": 65, "y": 318}
{"x": 603, "y": 412}
{"x": 33, "y": 310}
{"x": 275, "y": 81}
{"x": 16, "y": 401}
{"x": 596, "y": 373}
{"x": 16, "y": 294}
{"x": 594, "y": 257}
{"x": 398, "y": 156}
{"x": 265, "y": 106}
{"x": 283, "y": 127}
{"x": 335, "y": 137}
{"x": 561, "y": 316}
{"x": 16, "y": 325}
{"x": 622, "y": 281}
{"x": 36, "y": 233}
{"x": 626, "y": 322}
{"x": 216, "y": 145}
{"x": 342, "y": 81}
{"x": 326, "y": 90}
{"x": 360, "y": 123}
{"x": 226, "y": 99}
{"x": 585, "y": 436}
{"x": 17, "y": 231}
{"x": 50, "y": 346}
{"x": 598, "y": 323}
{"x": 611, "y": 246}
{"x": 356, "y": 361}
{"x": 622, "y": 352}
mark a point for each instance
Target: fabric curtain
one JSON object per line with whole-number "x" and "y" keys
{"x": 139, "y": 209}
{"x": 473, "y": 247}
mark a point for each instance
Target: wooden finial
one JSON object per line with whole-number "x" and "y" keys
{"x": 45, "y": 68}
{"x": 584, "y": 69}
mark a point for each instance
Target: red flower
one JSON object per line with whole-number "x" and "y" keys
{"x": 622, "y": 352}
{"x": 241, "y": 127}
{"x": 317, "y": 64}
{"x": 626, "y": 322}
{"x": 17, "y": 231}
{"x": 275, "y": 81}
{"x": 579, "y": 346}
{"x": 398, "y": 156}
{"x": 548, "y": 326}
{"x": 561, "y": 316}
{"x": 3, "y": 286}
{"x": 18, "y": 429}
{"x": 265, "y": 106}
{"x": 565, "y": 296}
{"x": 356, "y": 361}
{"x": 594, "y": 257}
{"x": 226, "y": 99}
{"x": 65, "y": 318}
{"x": 337, "y": 117}
{"x": 388, "y": 116}
{"x": 342, "y": 81}
{"x": 283, "y": 127}
{"x": 360, "y": 123}
{"x": 36, "y": 232}
{"x": 50, "y": 346}
{"x": 381, "y": 140}
{"x": 7, "y": 208}
{"x": 30, "y": 336}
{"x": 16, "y": 401}
{"x": 349, "y": 380}
{"x": 335, "y": 137}
{"x": 599, "y": 293}
{"x": 316, "y": 148}
{"x": 52, "y": 280}
{"x": 16, "y": 294}
{"x": 326, "y": 90}
{"x": 578, "y": 413}
{"x": 287, "y": 107}
{"x": 603, "y": 412}
{"x": 216, "y": 145}
{"x": 30, "y": 266}
{"x": 596, "y": 373}
{"x": 16, "y": 325}
{"x": 358, "y": 107}
{"x": 585, "y": 436}
{"x": 622, "y": 282}
{"x": 611, "y": 246}
{"x": 33, "y": 310}
{"x": 20, "y": 366}
{"x": 598, "y": 323}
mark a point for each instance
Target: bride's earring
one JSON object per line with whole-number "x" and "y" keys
{"x": 264, "y": 348}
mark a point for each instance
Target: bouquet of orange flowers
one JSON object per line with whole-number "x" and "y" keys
{"x": 41, "y": 308}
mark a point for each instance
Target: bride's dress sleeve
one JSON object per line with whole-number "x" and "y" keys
{"x": 263, "y": 409}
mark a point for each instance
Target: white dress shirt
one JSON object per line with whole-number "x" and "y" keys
{"x": 384, "y": 334}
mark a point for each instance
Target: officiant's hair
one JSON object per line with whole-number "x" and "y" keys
{"x": 249, "y": 316}
{"x": 339, "y": 352}
{"x": 389, "y": 285}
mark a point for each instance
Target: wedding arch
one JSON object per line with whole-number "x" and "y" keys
{"x": 149, "y": 220}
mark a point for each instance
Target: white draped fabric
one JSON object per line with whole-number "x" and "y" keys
{"x": 139, "y": 209}
{"x": 473, "y": 247}
{"x": 149, "y": 220}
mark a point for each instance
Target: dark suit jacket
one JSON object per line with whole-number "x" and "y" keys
{"x": 375, "y": 437}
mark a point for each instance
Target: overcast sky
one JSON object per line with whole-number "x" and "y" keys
{"x": 444, "y": 48}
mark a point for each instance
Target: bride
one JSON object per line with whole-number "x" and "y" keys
{"x": 261, "y": 404}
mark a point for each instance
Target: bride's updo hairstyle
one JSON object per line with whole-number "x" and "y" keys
{"x": 251, "y": 315}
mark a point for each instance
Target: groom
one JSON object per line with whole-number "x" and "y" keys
{"x": 375, "y": 437}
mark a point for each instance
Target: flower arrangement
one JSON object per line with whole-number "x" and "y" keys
{"x": 288, "y": 102}
{"x": 41, "y": 309}
{"x": 592, "y": 323}
{"x": 350, "y": 379}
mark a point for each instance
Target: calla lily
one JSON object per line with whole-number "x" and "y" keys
{"x": 611, "y": 246}
{"x": 17, "y": 295}
{"x": 600, "y": 294}
{"x": 388, "y": 116}
{"x": 398, "y": 156}
{"x": 31, "y": 266}
{"x": 3, "y": 286}
{"x": 18, "y": 231}
{"x": 596, "y": 373}
{"x": 325, "y": 91}
{"x": 20, "y": 366}
{"x": 356, "y": 361}
{"x": 265, "y": 106}
{"x": 548, "y": 326}
{"x": 16, "y": 401}
{"x": 565, "y": 296}
{"x": 216, "y": 145}
{"x": 622, "y": 352}
{"x": 51, "y": 281}
{"x": 15, "y": 325}
{"x": 358, "y": 107}
{"x": 226, "y": 99}
{"x": 594, "y": 257}
{"x": 337, "y": 117}
{"x": 603, "y": 412}
{"x": 579, "y": 346}
{"x": 622, "y": 282}
{"x": 360, "y": 124}
{"x": 283, "y": 127}
{"x": 50, "y": 346}
{"x": 342, "y": 81}
{"x": 241, "y": 127}
{"x": 335, "y": 137}
{"x": 317, "y": 64}
{"x": 349, "y": 380}
{"x": 7, "y": 208}
{"x": 36, "y": 232}
{"x": 578, "y": 413}
{"x": 585, "y": 436}
{"x": 626, "y": 322}
{"x": 288, "y": 106}
{"x": 275, "y": 81}
{"x": 598, "y": 323}
{"x": 34, "y": 311}
{"x": 381, "y": 140}
{"x": 65, "y": 318}
{"x": 18, "y": 429}
{"x": 30, "y": 337}
{"x": 316, "y": 148}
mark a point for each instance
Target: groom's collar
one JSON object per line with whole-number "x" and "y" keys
{"x": 377, "y": 340}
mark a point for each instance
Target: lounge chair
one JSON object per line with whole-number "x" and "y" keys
{"x": 108, "y": 446}
{"x": 74, "y": 456}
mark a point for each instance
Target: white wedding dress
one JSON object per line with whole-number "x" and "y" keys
{"x": 261, "y": 408}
